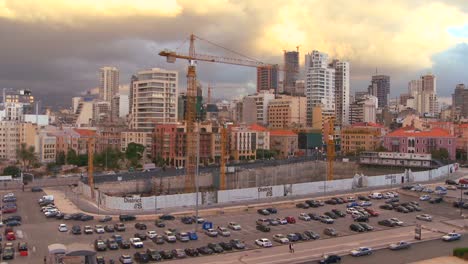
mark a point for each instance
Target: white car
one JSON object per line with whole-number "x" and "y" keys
{"x": 99, "y": 229}
{"x": 263, "y": 242}
{"x": 425, "y": 197}
{"x": 450, "y": 187}
{"x": 376, "y": 195}
{"x": 151, "y": 234}
{"x": 63, "y": 228}
{"x": 9, "y": 195}
{"x": 136, "y": 242}
{"x": 280, "y": 238}
{"x": 126, "y": 259}
{"x": 361, "y": 251}
{"x": 222, "y": 231}
{"x": 387, "y": 195}
{"x": 304, "y": 216}
{"x": 282, "y": 221}
{"x": 234, "y": 226}
{"x": 350, "y": 199}
{"x": 451, "y": 237}
{"x": 169, "y": 236}
{"x": 211, "y": 232}
{"x": 351, "y": 210}
{"x": 424, "y": 217}
{"x": 397, "y": 221}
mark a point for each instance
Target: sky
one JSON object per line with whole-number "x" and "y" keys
{"x": 55, "y": 47}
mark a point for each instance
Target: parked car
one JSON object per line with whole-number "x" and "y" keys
{"x": 356, "y": 228}
{"x": 222, "y": 231}
{"x": 192, "y": 252}
{"x": 366, "y": 226}
{"x": 399, "y": 245}
{"x": 106, "y": 218}
{"x": 304, "y": 217}
{"x": 263, "y": 242}
{"x": 280, "y": 238}
{"x": 125, "y": 218}
{"x": 326, "y": 219}
{"x": 204, "y": 250}
{"x": 312, "y": 234}
{"x": 109, "y": 228}
{"x": 211, "y": 232}
{"x": 387, "y": 222}
{"x": 112, "y": 244}
{"x": 290, "y": 219}
{"x": 361, "y": 251}
{"x": 292, "y": 237}
{"x": 126, "y": 259}
{"x": 167, "y": 217}
{"x": 263, "y": 228}
{"x": 237, "y": 244}
{"x": 62, "y": 228}
{"x": 330, "y": 231}
{"x": 425, "y": 197}
{"x": 170, "y": 237}
{"x": 76, "y": 230}
{"x": 179, "y": 253}
{"x": 140, "y": 226}
{"x": 234, "y": 226}
{"x": 263, "y": 212}
{"x": 119, "y": 227}
{"x": 450, "y": 182}
{"x": 159, "y": 223}
{"x": 99, "y": 245}
{"x": 338, "y": 213}
{"x": 183, "y": 236}
{"x": 436, "y": 200}
{"x": 36, "y": 189}
{"x": 153, "y": 254}
{"x": 272, "y": 210}
{"x": 331, "y": 215}
{"x": 397, "y": 221}
{"x": 140, "y": 236}
{"x": 136, "y": 242}
{"x": 302, "y": 205}
{"x": 88, "y": 230}
{"x": 99, "y": 229}
{"x": 141, "y": 257}
{"x": 226, "y": 246}
{"x": 386, "y": 207}
{"x": 215, "y": 247}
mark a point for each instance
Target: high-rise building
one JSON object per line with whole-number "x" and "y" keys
{"x": 320, "y": 86}
{"x": 108, "y": 83}
{"x": 341, "y": 91}
{"x": 267, "y": 78}
{"x": 424, "y": 93}
{"x": 154, "y": 99}
{"x": 460, "y": 102}
{"x": 291, "y": 73}
{"x": 380, "y": 87}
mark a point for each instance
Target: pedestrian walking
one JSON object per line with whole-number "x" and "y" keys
{"x": 292, "y": 247}
{"x": 45, "y": 260}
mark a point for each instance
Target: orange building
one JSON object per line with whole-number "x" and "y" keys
{"x": 285, "y": 142}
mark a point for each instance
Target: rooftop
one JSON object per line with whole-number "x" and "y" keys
{"x": 412, "y": 132}
{"x": 367, "y": 124}
{"x": 85, "y": 132}
{"x": 282, "y": 132}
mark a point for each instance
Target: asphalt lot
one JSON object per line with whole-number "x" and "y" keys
{"x": 39, "y": 232}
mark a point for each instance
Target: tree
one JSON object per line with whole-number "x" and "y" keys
{"x": 134, "y": 153}
{"x": 12, "y": 170}
{"x": 109, "y": 158}
{"x": 72, "y": 158}
{"x": 26, "y": 154}
{"x": 60, "y": 158}
{"x": 381, "y": 149}
{"x": 159, "y": 161}
{"x": 440, "y": 154}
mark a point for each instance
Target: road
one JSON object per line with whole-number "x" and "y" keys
{"x": 418, "y": 252}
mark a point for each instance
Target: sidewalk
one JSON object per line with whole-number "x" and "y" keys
{"x": 62, "y": 202}
{"x": 441, "y": 260}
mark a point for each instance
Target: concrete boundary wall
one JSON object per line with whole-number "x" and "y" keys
{"x": 249, "y": 194}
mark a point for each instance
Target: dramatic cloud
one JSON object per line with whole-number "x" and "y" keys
{"x": 58, "y": 45}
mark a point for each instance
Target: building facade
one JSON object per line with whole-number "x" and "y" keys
{"x": 424, "y": 93}
{"x": 108, "y": 83}
{"x": 154, "y": 99}
{"x": 361, "y": 137}
{"x": 380, "y": 88}
{"x": 291, "y": 74}
{"x": 320, "y": 86}
{"x": 460, "y": 102}
{"x": 284, "y": 142}
{"x": 287, "y": 112}
{"x": 410, "y": 140}
{"x": 341, "y": 91}
{"x": 267, "y": 78}
{"x": 363, "y": 110}
{"x": 255, "y": 108}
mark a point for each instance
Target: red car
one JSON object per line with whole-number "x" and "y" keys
{"x": 371, "y": 212}
{"x": 8, "y": 210}
{"x": 291, "y": 219}
{"x": 10, "y": 236}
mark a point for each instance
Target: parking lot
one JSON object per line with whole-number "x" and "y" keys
{"x": 39, "y": 231}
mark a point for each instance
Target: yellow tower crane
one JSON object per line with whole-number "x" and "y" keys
{"x": 192, "y": 57}
{"x": 330, "y": 147}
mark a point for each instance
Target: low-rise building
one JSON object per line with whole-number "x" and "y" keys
{"x": 411, "y": 140}
{"x": 287, "y": 112}
{"x": 246, "y": 140}
{"x": 285, "y": 142}
{"x": 135, "y": 136}
{"x": 361, "y": 137}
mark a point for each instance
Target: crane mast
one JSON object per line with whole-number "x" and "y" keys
{"x": 330, "y": 148}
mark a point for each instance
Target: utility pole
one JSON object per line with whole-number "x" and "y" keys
{"x": 197, "y": 177}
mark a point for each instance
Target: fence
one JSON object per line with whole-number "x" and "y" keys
{"x": 249, "y": 194}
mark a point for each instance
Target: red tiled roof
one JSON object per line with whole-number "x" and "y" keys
{"x": 367, "y": 124}
{"x": 411, "y": 132}
{"x": 85, "y": 132}
{"x": 257, "y": 127}
{"x": 463, "y": 126}
{"x": 282, "y": 132}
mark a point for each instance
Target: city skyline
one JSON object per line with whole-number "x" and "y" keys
{"x": 71, "y": 44}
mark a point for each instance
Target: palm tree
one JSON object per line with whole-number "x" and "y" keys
{"x": 26, "y": 155}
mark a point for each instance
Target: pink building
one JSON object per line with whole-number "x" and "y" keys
{"x": 411, "y": 140}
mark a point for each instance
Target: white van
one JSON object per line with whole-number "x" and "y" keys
{"x": 376, "y": 195}
{"x": 46, "y": 198}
